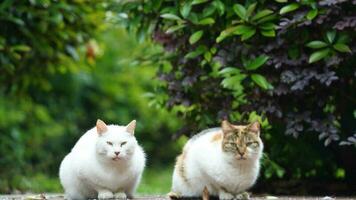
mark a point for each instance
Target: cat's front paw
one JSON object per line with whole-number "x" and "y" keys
{"x": 243, "y": 196}
{"x": 120, "y": 195}
{"x": 173, "y": 195}
{"x": 104, "y": 194}
{"x": 225, "y": 196}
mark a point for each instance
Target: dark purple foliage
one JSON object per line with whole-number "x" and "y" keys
{"x": 306, "y": 97}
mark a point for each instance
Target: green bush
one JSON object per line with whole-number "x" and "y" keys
{"x": 44, "y": 34}
{"x": 290, "y": 62}
{"x": 38, "y": 41}
{"x": 55, "y": 83}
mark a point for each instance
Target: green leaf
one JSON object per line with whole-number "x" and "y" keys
{"x": 193, "y": 17}
{"x": 289, "y": 8}
{"x": 331, "y": 36}
{"x": 219, "y": 6}
{"x": 242, "y": 29}
{"x": 261, "y": 14}
{"x": 261, "y": 81}
{"x": 199, "y": 51}
{"x": 318, "y": 55}
{"x": 195, "y": 37}
{"x": 248, "y": 34}
{"x": 207, "y": 56}
{"x": 268, "y": 33}
{"x": 221, "y": 38}
{"x": 15, "y": 20}
{"x": 343, "y": 38}
{"x": 23, "y": 48}
{"x": 185, "y": 9}
{"x": 175, "y": 28}
{"x": 267, "y": 26}
{"x": 312, "y": 14}
{"x": 316, "y": 44}
{"x": 213, "y": 50}
{"x": 250, "y": 10}
{"x": 266, "y": 19}
{"x": 207, "y": 21}
{"x": 233, "y": 82}
{"x": 171, "y": 17}
{"x": 257, "y": 62}
{"x": 208, "y": 11}
{"x": 342, "y": 48}
{"x": 225, "y": 33}
{"x": 195, "y": 2}
{"x": 240, "y": 11}
{"x": 229, "y": 71}
{"x": 282, "y": 1}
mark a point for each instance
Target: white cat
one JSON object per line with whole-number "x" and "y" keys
{"x": 224, "y": 161}
{"x": 106, "y": 162}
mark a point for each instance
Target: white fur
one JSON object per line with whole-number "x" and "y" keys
{"x": 89, "y": 170}
{"x": 206, "y": 165}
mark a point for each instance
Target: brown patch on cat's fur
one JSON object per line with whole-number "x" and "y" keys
{"x": 216, "y": 137}
{"x": 180, "y": 166}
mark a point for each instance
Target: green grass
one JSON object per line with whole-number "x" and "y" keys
{"x": 156, "y": 180}
{"x": 36, "y": 183}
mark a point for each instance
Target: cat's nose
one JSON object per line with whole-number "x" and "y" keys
{"x": 117, "y": 153}
{"x": 241, "y": 156}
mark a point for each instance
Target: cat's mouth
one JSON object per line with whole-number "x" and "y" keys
{"x": 116, "y": 158}
{"x": 241, "y": 157}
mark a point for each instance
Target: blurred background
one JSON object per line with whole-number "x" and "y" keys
{"x": 178, "y": 67}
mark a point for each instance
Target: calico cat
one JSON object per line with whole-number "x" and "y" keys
{"x": 106, "y": 162}
{"x": 222, "y": 161}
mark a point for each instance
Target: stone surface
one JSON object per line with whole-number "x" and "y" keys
{"x": 162, "y": 197}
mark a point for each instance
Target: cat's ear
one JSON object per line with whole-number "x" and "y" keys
{"x": 101, "y": 127}
{"x": 130, "y": 128}
{"x": 255, "y": 127}
{"x": 226, "y": 126}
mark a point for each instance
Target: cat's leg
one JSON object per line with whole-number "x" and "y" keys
{"x": 131, "y": 187}
{"x": 74, "y": 191}
{"x": 105, "y": 194}
{"x": 120, "y": 195}
{"x": 178, "y": 186}
{"x": 243, "y": 196}
{"x": 185, "y": 187}
{"x": 173, "y": 195}
{"x": 70, "y": 181}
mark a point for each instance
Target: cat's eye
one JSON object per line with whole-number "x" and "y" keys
{"x": 109, "y": 143}
{"x": 252, "y": 144}
{"x": 123, "y": 143}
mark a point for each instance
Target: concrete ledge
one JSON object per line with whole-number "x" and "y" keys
{"x": 163, "y": 197}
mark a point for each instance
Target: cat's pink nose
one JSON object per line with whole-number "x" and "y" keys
{"x": 117, "y": 152}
